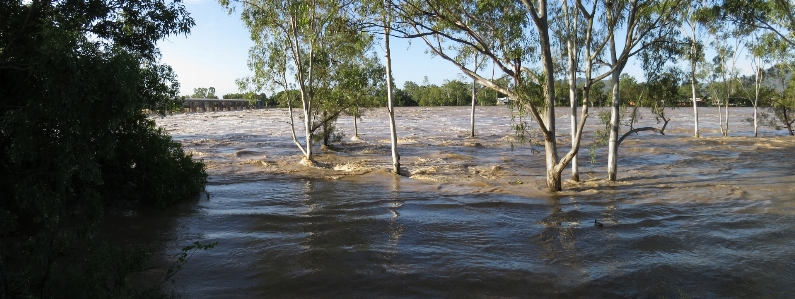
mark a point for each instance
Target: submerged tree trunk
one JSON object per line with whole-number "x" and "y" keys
{"x": 356, "y": 125}
{"x": 784, "y": 117}
{"x": 326, "y": 131}
{"x": 571, "y": 44}
{"x": 474, "y": 100}
{"x": 695, "y": 102}
{"x": 513, "y": 68}
{"x": 550, "y": 142}
{"x": 612, "y": 154}
{"x": 726, "y": 133}
{"x": 720, "y": 119}
{"x": 390, "y": 101}
{"x": 292, "y": 123}
{"x": 757, "y": 87}
{"x": 308, "y": 127}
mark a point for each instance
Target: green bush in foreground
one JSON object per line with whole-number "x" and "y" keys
{"x": 75, "y": 77}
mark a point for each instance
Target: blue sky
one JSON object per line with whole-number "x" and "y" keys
{"x": 216, "y": 53}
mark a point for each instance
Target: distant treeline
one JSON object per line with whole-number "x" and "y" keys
{"x": 458, "y": 93}
{"x": 451, "y": 93}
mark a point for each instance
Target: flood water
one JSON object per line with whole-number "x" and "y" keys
{"x": 708, "y": 218}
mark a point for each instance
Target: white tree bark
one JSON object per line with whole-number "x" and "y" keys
{"x": 390, "y": 98}
{"x": 612, "y": 150}
{"x": 571, "y": 45}
{"x": 474, "y": 101}
{"x": 513, "y": 68}
{"x": 693, "y": 64}
{"x": 757, "y": 87}
{"x": 695, "y": 102}
{"x": 550, "y": 141}
{"x": 356, "y": 125}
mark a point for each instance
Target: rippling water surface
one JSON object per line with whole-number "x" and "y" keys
{"x": 710, "y": 218}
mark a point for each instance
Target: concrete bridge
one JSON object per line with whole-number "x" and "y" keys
{"x": 204, "y": 105}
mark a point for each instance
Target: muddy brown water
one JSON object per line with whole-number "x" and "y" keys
{"x": 710, "y": 218}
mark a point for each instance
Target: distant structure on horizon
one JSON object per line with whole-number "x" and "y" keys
{"x": 207, "y": 105}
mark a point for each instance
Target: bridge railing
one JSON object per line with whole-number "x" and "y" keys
{"x": 206, "y": 105}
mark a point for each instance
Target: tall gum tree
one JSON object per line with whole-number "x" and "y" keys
{"x": 386, "y": 19}
{"x": 782, "y": 103}
{"x": 761, "y": 51}
{"x": 728, "y": 46}
{"x": 569, "y": 33}
{"x": 594, "y": 44}
{"x": 644, "y": 23}
{"x": 691, "y": 27}
{"x": 308, "y": 35}
{"x": 501, "y": 32}
{"x": 468, "y": 55}
{"x": 360, "y": 82}
{"x": 773, "y": 16}
{"x": 379, "y": 15}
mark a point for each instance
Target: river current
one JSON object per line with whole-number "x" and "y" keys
{"x": 712, "y": 217}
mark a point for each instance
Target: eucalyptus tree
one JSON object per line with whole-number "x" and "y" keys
{"x": 465, "y": 55}
{"x": 759, "y": 48}
{"x": 783, "y": 105}
{"x": 475, "y": 64}
{"x": 569, "y": 33}
{"x": 728, "y": 46}
{"x": 387, "y": 21}
{"x": 511, "y": 35}
{"x": 774, "y": 16}
{"x": 645, "y": 24}
{"x": 692, "y": 27}
{"x": 359, "y": 81}
{"x": 659, "y": 92}
{"x": 594, "y": 44}
{"x": 304, "y": 39}
{"x": 782, "y": 57}
{"x": 380, "y": 14}
{"x": 204, "y": 93}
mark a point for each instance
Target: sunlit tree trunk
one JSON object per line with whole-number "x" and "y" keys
{"x": 307, "y": 105}
{"x": 390, "y": 98}
{"x": 695, "y": 101}
{"x": 757, "y": 87}
{"x": 612, "y": 150}
{"x": 720, "y": 119}
{"x": 442, "y": 13}
{"x": 695, "y": 55}
{"x": 571, "y": 45}
{"x": 356, "y": 124}
{"x": 612, "y": 145}
{"x": 550, "y": 141}
{"x": 474, "y": 101}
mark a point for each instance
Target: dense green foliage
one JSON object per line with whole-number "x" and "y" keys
{"x": 451, "y": 93}
{"x": 204, "y": 93}
{"x": 75, "y": 77}
{"x": 780, "y": 102}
